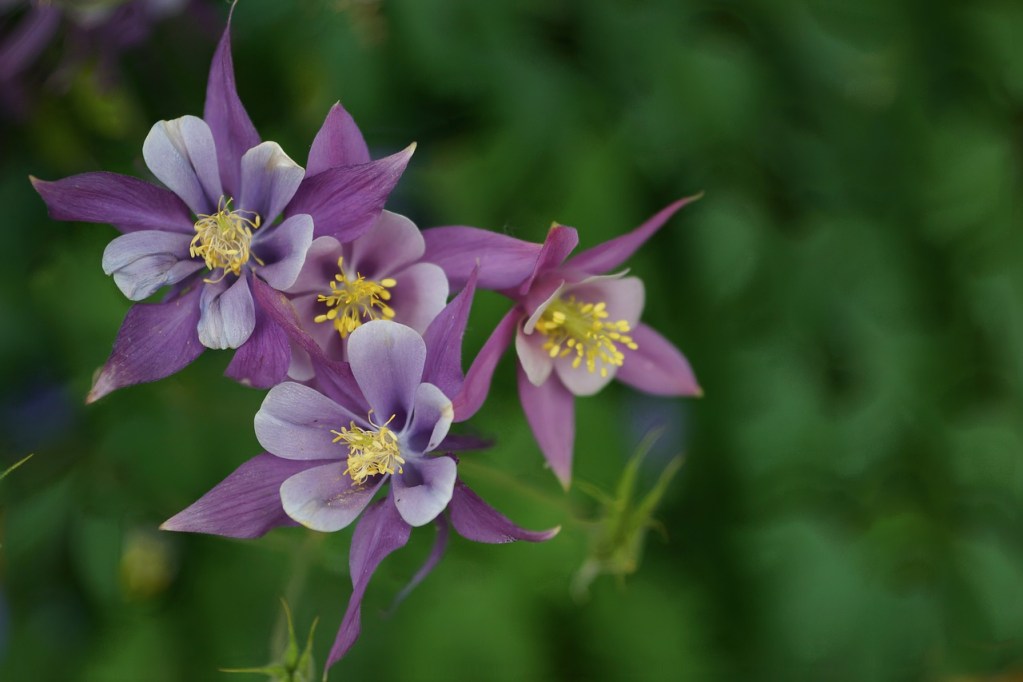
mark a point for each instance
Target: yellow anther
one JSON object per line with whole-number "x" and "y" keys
{"x": 224, "y": 239}
{"x": 354, "y": 300}
{"x": 370, "y": 452}
{"x": 581, "y": 329}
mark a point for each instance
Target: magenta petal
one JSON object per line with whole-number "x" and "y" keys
{"x": 444, "y": 342}
{"x": 387, "y": 360}
{"x": 612, "y": 253}
{"x": 295, "y": 422}
{"x": 505, "y": 262}
{"x": 550, "y": 411}
{"x": 324, "y": 499}
{"x": 230, "y": 124}
{"x": 263, "y": 360}
{"x": 338, "y": 143}
{"x": 657, "y": 366}
{"x": 155, "y": 341}
{"x": 345, "y": 202}
{"x": 227, "y": 314}
{"x": 424, "y": 488}
{"x": 436, "y": 554}
{"x": 469, "y": 400}
{"x": 476, "y": 520}
{"x": 246, "y": 504}
{"x": 380, "y": 532}
{"x": 560, "y": 241}
{"x": 127, "y": 203}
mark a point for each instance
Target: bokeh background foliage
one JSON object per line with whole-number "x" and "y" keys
{"x": 850, "y": 292}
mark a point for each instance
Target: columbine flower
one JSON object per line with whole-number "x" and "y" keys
{"x": 213, "y": 238}
{"x": 379, "y": 276}
{"x": 332, "y": 447}
{"x": 575, "y": 327}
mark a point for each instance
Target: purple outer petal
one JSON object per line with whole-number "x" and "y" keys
{"x": 443, "y": 340}
{"x": 182, "y": 155}
{"x": 560, "y": 241}
{"x": 338, "y": 143}
{"x": 469, "y": 400}
{"x": 263, "y": 360}
{"x": 550, "y": 411}
{"x": 345, "y": 202}
{"x": 612, "y": 253}
{"x": 431, "y": 419}
{"x": 143, "y": 262}
{"x": 476, "y": 520}
{"x": 436, "y": 554}
{"x": 127, "y": 203}
{"x": 380, "y": 532}
{"x": 155, "y": 341}
{"x": 246, "y": 504}
{"x": 657, "y": 366}
{"x": 505, "y": 262}
{"x": 269, "y": 180}
{"x": 392, "y": 243}
{"x": 295, "y": 422}
{"x": 387, "y": 360}
{"x": 284, "y": 251}
{"x": 324, "y": 499}
{"x": 227, "y": 314}
{"x": 424, "y": 489}
{"x": 232, "y": 129}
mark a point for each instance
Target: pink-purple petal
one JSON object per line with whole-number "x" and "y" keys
{"x": 505, "y": 262}
{"x": 269, "y": 180}
{"x": 338, "y": 143}
{"x": 380, "y": 532}
{"x": 560, "y": 241}
{"x": 657, "y": 366}
{"x": 283, "y": 248}
{"x": 181, "y": 154}
{"x": 611, "y": 254}
{"x": 474, "y": 391}
{"x": 387, "y": 360}
{"x": 227, "y": 314}
{"x": 324, "y": 499}
{"x": 295, "y": 422}
{"x": 143, "y": 262}
{"x": 476, "y": 520}
{"x": 393, "y": 242}
{"x": 246, "y": 504}
{"x": 550, "y": 411}
{"x": 431, "y": 419}
{"x": 263, "y": 360}
{"x": 443, "y": 338}
{"x": 424, "y": 488}
{"x": 127, "y": 203}
{"x": 155, "y": 341}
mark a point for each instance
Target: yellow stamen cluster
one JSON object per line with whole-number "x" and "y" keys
{"x": 575, "y": 327}
{"x": 370, "y": 452}
{"x": 353, "y": 301}
{"x": 224, "y": 239}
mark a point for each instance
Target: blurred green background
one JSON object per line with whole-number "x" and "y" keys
{"x": 849, "y": 292}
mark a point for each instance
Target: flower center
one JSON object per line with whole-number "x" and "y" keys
{"x": 224, "y": 239}
{"x": 354, "y": 300}
{"x": 370, "y": 452}
{"x": 574, "y": 327}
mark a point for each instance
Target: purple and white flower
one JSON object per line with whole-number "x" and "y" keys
{"x": 575, "y": 326}
{"x": 212, "y": 236}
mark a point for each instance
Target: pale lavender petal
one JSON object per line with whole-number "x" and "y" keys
{"x": 505, "y": 262}
{"x": 338, "y": 143}
{"x": 246, "y": 504}
{"x": 431, "y": 419}
{"x": 227, "y": 314}
{"x": 533, "y": 358}
{"x": 474, "y": 391}
{"x": 560, "y": 241}
{"x": 393, "y": 242}
{"x": 155, "y": 341}
{"x": 127, "y": 203}
{"x": 476, "y": 520}
{"x": 230, "y": 124}
{"x": 380, "y": 532}
{"x": 325, "y": 499}
{"x": 611, "y": 254}
{"x": 143, "y": 262}
{"x": 424, "y": 488}
{"x": 420, "y": 294}
{"x": 436, "y": 554}
{"x": 550, "y": 411}
{"x": 387, "y": 360}
{"x": 283, "y": 248}
{"x": 345, "y": 202}
{"x": 657, "y": 366}
{"x": 295, "y": 422}
{"x": 263, "y": 360}
{"x": 443, "y": 340}
{"x": 182, "y": 156}
{"x": 319, "y": 267}
{"x": 269, "y": 180}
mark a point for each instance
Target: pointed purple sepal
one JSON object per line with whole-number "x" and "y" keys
{"x": 338, "y": 143}
{"x": 440, "y": 544}
{"x": 476, "y": 520}
{"x": 657, "y": 366}
{"x": 550, "y": 411}
{"x": 469, "y": 400}
{"x": 505, "y": 262}
{"x": 559, "y": 242}
{"x": 262, "y": 361}
{"x": 444, "y": 342}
